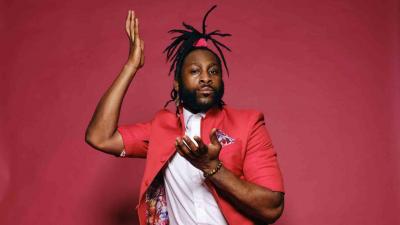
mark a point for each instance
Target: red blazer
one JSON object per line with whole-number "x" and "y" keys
{"x": 251, "y": 156}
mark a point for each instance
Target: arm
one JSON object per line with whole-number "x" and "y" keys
{"x": 102, "y": 133}
{"x": 260, "y": 195}
{"x": 254, "y": 200}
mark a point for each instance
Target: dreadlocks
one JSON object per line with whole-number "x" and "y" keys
{"x": 183, "y": 44}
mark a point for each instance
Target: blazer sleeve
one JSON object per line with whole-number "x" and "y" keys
{"x": 260, "y": 162}
{"x": 135, "y": 138}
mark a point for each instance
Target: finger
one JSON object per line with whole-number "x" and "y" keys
{"x": 127, "y": 22}
{"x": 142, "y": 45}
{"x": 192, "y": 146}
{"x": 191, "y": 142}
{"x": 189, "y": 146}
{"x": 142, "y": 55}
{"x": 137, "y": 36}
{"x": 214, "y": 138}
{"x": 202, "y": 147}
{"x": 132, "y": 25}
{"x": 179, "y": 149}
{"x": 136, "y": 27}
{"x": 184, "y": 149}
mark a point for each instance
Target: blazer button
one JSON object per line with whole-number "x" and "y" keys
{"x": 146, "y": 182}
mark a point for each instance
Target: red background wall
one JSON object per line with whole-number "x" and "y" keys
{"x": 325, "y": 73}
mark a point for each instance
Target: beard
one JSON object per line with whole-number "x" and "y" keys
{"x": 195, "y": 103}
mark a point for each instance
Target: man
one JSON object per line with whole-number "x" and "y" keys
{"x": 207, "y": 163}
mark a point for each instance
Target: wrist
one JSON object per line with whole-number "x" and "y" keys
{"x": 212, "y": 168}
{"x": 131, "y": 67}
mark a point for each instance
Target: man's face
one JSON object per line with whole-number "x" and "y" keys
{"x": 201, "y": 86}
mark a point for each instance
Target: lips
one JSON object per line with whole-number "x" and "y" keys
{"x": 206, "y": 90}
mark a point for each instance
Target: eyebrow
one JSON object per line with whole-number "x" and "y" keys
{"x": 197, "y": 64}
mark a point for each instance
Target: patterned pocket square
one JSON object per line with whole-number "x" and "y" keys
{"x": 223, "y": 138}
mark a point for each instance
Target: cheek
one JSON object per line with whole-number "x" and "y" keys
{"x": 190, "y": 82}
{"x": 218, "y": 81}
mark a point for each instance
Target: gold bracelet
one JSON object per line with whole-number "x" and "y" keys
{"x": 214, "y": 171}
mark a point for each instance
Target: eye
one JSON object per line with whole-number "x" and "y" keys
{"x": 214, "y": 71}
{"x": 194, "y": 71}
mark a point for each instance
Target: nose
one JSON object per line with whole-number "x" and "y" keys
{"x": 205, "y": 78}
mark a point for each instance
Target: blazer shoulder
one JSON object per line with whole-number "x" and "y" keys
{"x": 164, "y": 115}
{"x": 246, "y": 113}
{"x": 164, "y": 112}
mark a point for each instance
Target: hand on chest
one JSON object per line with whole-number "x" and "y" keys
{"x": 231, "y": 147}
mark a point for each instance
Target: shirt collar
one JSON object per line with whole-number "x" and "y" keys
{"x": 211, "y": 113}
{"x": 187, "y": 115}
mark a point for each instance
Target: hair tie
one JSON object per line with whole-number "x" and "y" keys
{"x": 201, "y": 43}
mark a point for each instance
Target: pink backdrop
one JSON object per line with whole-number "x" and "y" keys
{"x": 325, "y": 73}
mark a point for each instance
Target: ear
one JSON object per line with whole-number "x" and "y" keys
{"x": 176, "y": 85}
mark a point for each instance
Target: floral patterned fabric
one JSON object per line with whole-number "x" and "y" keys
{"x": 223, "y": 138}
{"x": 156, "y": 199}
{"x": 156, "y": 202}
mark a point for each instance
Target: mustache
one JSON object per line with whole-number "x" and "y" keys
{"x": 207, "y": 86}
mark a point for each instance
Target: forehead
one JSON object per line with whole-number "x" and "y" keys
{"x": 200, "y": 56}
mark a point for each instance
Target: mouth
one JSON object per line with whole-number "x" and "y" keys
{"x": 206, "y": 91}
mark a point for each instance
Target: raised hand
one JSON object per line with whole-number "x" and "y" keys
{"x": 200, "y": 155}
{"x": 136, "y": 50}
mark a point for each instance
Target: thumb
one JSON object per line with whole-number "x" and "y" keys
{"x": 213, "y": 137}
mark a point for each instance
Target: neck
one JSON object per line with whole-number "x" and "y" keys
{"x": 195, "y": 110}
{"x": 212, "y": 112}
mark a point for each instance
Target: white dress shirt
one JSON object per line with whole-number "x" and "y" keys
{"x": 189, "y": 200}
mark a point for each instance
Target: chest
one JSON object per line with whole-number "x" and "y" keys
{"x": 231, "y": 136}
